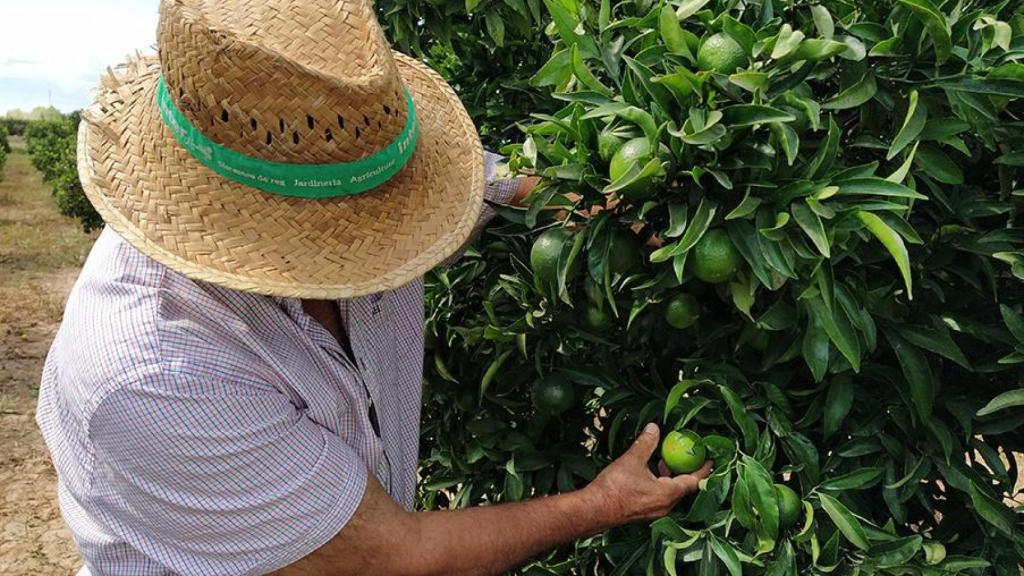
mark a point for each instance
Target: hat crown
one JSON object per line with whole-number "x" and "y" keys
{"x": 294, "y": 81}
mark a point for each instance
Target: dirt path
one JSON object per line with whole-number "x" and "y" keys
{"x": 40, "y": 256}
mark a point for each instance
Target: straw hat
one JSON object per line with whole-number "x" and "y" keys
{"x": 281, "y": 147}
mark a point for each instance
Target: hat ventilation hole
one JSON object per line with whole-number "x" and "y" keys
{"x": 387, "y": 110}
{"x": 295, "y": 138}
{"x": 270, "y": 138}
{"x": 310, "y": 122}
{"x": 329, "y": 136}
{"x": 341, "y": 121}
{"x": 366, "y": 120}
{"x": 255, "y": 125}
{"x": 359, "y": 133}
{"x": 225, "y": 116}
{"x": 280, "y": 124}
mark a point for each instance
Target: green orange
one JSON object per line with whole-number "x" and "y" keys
{"x": 624, "y": 252}
{"x": 553, "y": 395}
{"x": 715, "y": 258}
{"x": 790, "y": 506}
{"x": 683, "y": 451}
{"x": 598, "y": 320}
{"x": 546, "y": 253}
{"x": 682, "y": 311}
{"x": 721, "y": 53}
{"x": 635, "y": 152}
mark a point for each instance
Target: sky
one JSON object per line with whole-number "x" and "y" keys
{"x": 53, "y": 51}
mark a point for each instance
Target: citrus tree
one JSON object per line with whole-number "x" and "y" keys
{"x": 486, "y": 49}
{"x": 52, "y": 145}
{"x": 5, "y": 149}
{"x": 787, "y": 231}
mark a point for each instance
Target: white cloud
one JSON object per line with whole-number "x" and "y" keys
{"x": 66, "y": 44}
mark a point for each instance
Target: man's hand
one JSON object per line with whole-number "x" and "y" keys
{"x": 381, "y": 538}
{"x": 627, "y": 491}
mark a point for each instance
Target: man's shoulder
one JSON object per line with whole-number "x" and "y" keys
{"x": 129, "y": 316}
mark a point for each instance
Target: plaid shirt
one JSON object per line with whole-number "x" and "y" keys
{"x": 201, "y": 430}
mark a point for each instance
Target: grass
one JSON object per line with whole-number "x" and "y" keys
{"x": 40, "y": 250}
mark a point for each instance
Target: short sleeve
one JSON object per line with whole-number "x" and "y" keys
{"x": 219, "y": 479}
{"x": 498, "y": 190}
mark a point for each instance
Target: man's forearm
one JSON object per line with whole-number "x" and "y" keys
{"x": 495, "y": 539}
{"x": 381, "y": 538}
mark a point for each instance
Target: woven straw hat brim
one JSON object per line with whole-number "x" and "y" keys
{"x": 182, "y": 214}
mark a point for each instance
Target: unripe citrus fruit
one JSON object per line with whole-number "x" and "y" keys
{"x": 546, "y": 252}
{"x": 598, "y": 320}
{"x": 683, "y": 452}
{"x": 608, "y": 143}
{"x": 636, "y": 151}
{"x": 789, "y": 506}
{"x": 682, "y": 311}
{"x": 623, "y": 252}
{"x": 721, "y": 53}
{"x": 553, "y": 395}
{"x": 715, "y": 259}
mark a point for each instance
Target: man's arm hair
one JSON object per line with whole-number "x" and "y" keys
{"x": 381, "y": 538}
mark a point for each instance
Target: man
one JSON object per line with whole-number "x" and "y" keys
{"x": 235, "y": 388}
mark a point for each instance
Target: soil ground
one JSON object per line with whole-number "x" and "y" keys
{"x": 41, "y": 253}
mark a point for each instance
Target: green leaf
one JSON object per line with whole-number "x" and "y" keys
{"x": 823, "y": 21}
{"x": 913, "y": 124}
{"x": 893, "y": 243}
{"x": 817, "y": 49}
{"x": 816, "y": 348}
{"x": 745, "y": 208}
{"x": 750, "y": 114}
{"x": 694, "y": 232}
{"x": 788, "y": 140}
{"x": 938, "y": 165}
{"x": 678, "y": 216}
{"x": 786, "y": 42}
{"x": 1014, "y": 322}
{"x": 936, "y": 340}
{"x": 765, "y": 501}
{"x": 856, "y": 480}
{"x": 586, "y": 77}
{"x": 826, "y": 153}
{"x": 492, "y": 372}
{"x": 895, "y": 552}
{"x": 811, "y": 224}
{"x": 1011, "y": 399}
{"x": 556, "y": 72}
{"x": 726, "y": 552}
{"x": 567, "y": 23}
{"x": 742, "y": 417}
{"x": 672, "y": 33}
{"x": 993, "y": 511}
{"x": 900, "y": 175}
{"x": 676, "y": 394}
{"x": 877, "y": 187}
{"x": 652, "y": 171}
{"x": 689, "y": 8}
{"x": 839, "y": 330}
{"x": 838, "y": 403}
{"x": 935, "y": 23}
{"x": 854, "y": 96}
{"x": 917, "y": 372}
{"x": 750, "y": 81}
{"x": 1015, "y": 159}
{"x": 847, "y": 523}
{"x": 495, "y": 27}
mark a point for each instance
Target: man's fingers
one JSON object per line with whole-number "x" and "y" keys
{"x": 645, "y": 444}
{"x": 663, "y": 471}
{"x": 690, "y": 483}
